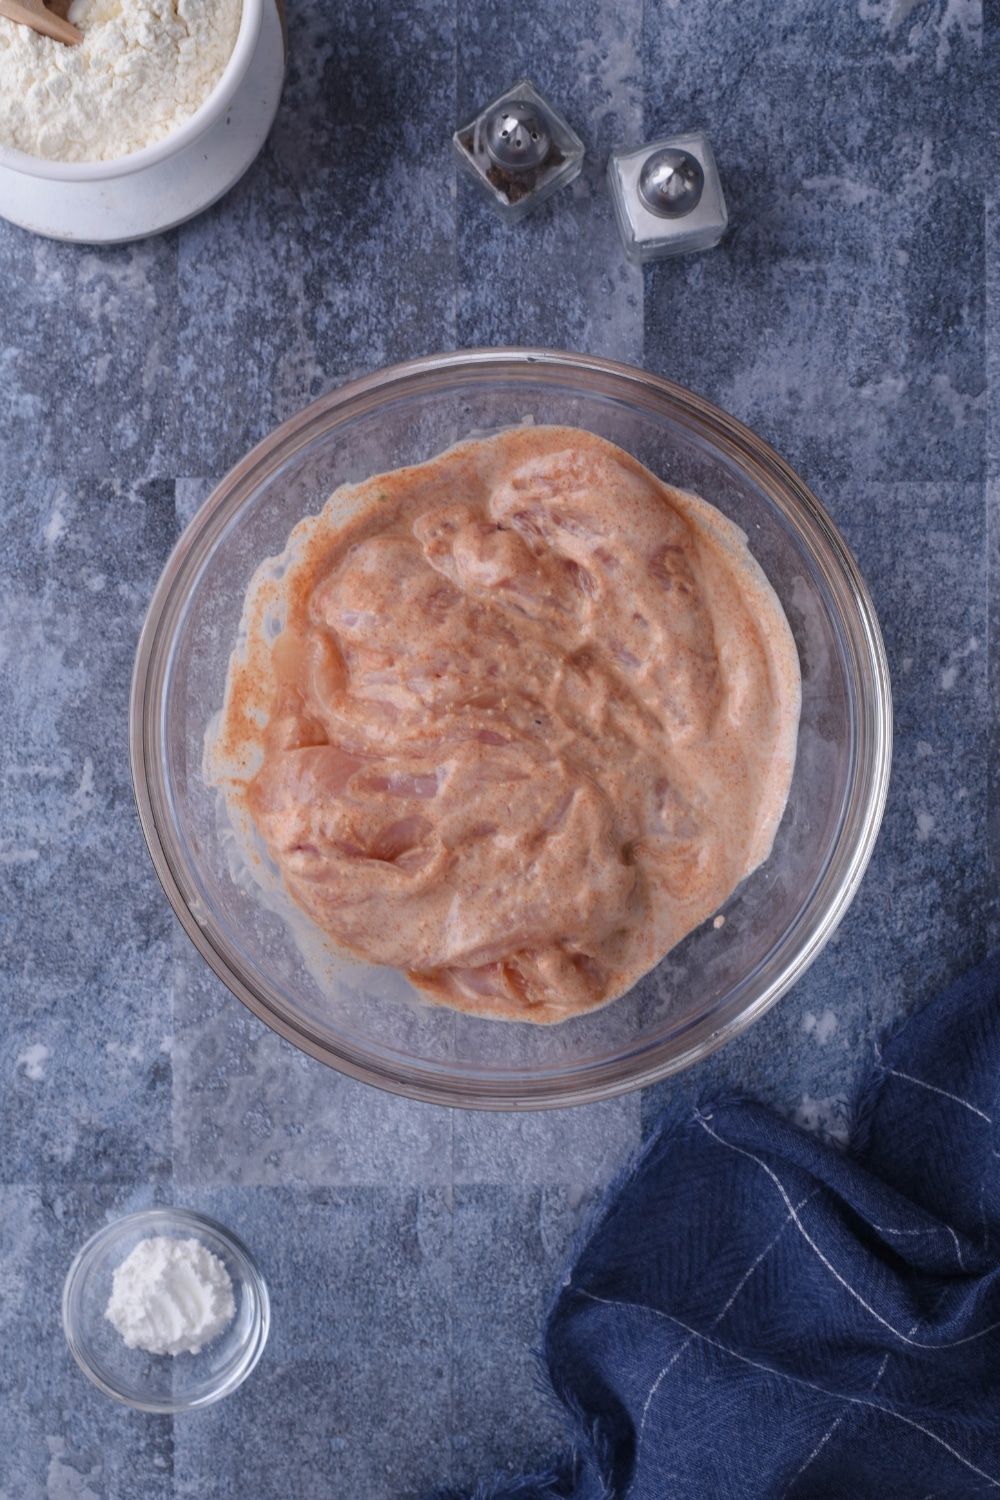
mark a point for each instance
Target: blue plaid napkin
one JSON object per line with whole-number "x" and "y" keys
{"x": 757, "y": 1314}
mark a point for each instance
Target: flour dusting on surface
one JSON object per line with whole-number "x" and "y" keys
{"x": 32, "y": 1060}
{"x": 825, "y": 1117}
{"x": 821, "y": 1027}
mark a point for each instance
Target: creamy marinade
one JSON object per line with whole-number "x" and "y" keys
{"x": 531, "y": 719}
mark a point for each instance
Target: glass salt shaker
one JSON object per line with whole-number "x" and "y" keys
{"x": 667, "y": 196}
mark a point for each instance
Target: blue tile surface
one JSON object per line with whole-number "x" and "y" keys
{"x": 842, "y": 318}
{"x": 353, "y": 1392}
{"x": 851, "y": 316}
{"x": 335, "y": 255}
{"x": 562, "y": 282}
{"x": 89, "y": 346}
{"x": 84, "y": 939}
{"x": 60, "y": 1437}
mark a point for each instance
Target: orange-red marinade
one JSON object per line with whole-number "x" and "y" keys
{"x": 531, "y": 719}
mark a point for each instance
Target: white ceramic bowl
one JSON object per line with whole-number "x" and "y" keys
{"x": 176, "y": 141}
{"x": 148, "y": 191}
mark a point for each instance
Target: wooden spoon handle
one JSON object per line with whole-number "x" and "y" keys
{"x": 34, "y": 13}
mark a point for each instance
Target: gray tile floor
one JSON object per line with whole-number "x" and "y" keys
{"x": 851, "y": 316}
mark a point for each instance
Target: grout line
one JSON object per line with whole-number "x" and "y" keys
{"x": 991, "y": 495}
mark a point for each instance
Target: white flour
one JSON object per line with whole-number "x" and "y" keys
{"x": 170, "y": 1296}
{"x": 142, "y": 69}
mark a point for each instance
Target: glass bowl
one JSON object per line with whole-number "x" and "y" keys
{"x": 368, "y": 1021}
{"x": 163, "y": 1382}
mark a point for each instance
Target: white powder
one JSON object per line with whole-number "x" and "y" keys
{"x": 142, "y": 69}
{"x": 170, "y": 1297}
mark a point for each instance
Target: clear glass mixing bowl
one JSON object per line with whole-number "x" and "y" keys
{"x": 367, "y": 1021}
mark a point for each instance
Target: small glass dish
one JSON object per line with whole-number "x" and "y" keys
{"x": 163, "y": 1383}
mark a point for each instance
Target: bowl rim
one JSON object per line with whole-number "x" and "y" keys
{"x": 162, "y": 1219}
{"x": 862, "y": 817}
{"x": 175, "y": 141}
